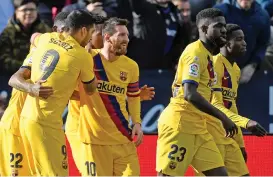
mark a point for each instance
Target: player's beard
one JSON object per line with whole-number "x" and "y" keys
{"x": 218, "y": 42}
{"x": 119, "y": 48}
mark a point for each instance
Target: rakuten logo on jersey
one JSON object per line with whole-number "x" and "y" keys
{"x": 227, "y": 93}
{"x": 107, "y": 87}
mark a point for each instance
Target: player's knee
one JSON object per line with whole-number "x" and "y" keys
{"x": 220, "y": 171}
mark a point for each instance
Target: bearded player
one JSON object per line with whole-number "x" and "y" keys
{"x": 72, "y": 121}
{"x": 108, "y": 145}
{"x": 183, "y": 138}
{"x": 13, "y": 159}
{"x": 62, "y": 58}
{"x": 227, "y": 75}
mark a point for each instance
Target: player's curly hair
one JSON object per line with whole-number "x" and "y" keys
{"x": 109, "y": 25}
{"x": 207, "y": 14}
{"x": 230, "y": 29}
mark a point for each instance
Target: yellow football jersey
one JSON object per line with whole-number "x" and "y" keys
{"x": 195, "y": 66}
{"x": 11, "y": 117}
{"x": 59, "y": 60}
{"x": 104, "y": 115}
{"x": 225, "y": 93}
{"x": 72, "y": 120}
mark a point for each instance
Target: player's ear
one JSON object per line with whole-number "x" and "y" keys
{"x": 54, "y": 28}
{"x": 204, "y": 29}
{"x": 107, "y": 37}
{"x": 228, "y": 44}
{"x": 84, "y": 31}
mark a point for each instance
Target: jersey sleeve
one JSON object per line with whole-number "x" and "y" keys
{"x": 192, "y": 67}
{"x": 217, "y": 97}
{"x": 133, "y": 96}
{"x": 28, "y": 60}
{"x": 87, "y": 69}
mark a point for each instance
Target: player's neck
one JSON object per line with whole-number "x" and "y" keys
{"x": 108, "y": 55}
{"x": 227, "y": 55}
{"x": 208, "y": 45}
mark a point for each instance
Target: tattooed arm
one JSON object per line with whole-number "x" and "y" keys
{"x": 19, "y": 81}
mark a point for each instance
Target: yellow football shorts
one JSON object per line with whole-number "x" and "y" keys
{"x": 239, "y": 138}
{"x": 75, "y": 145}
{"x": 46, "y": 146}
{"x": 233, "y": 159}
{"x": 177, "y": 150}
{"x": 110, "y": 160}
{"x": 13, "y": 156}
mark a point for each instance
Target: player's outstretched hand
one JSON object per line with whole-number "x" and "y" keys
{"x": 147, "y": 93}
{"x": 255, "y": 128}
{"x": 37, "y": 90}
{"x": 230, "y": 127}
{"x": 137, "y": 131}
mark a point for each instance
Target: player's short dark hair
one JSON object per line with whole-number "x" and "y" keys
{"x": 78, "y": 19}
{"x": 208, "y": 14}
{"x": 99, "y": 19}
{"x": 109, "y": 25}
{"x": 230, "y": 29}
{"x": 60, "y": 18}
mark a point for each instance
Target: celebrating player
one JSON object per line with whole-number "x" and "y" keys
{"x": 227, "y": 75}
{"x": 72, "y": 121}
{"x": 183, "y": 138}
{"x": 10, "y": 133}
{"x": 104, "y": 125}
{"x": 59, "y": 59}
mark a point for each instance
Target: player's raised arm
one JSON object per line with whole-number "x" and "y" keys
{"x": 19, "y": 81}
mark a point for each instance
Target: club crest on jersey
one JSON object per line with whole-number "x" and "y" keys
{"x": 14, "y": 172}
{"x": 194, "y": 70}
{"x": 64, "y": 164}
{"x": 172, "y": 165}
{"x": 123, "y": 76}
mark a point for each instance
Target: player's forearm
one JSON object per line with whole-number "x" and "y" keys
{"x": 18, "y": 82}
{"x": 134, "y": 109}
{"x": 203, "y": 105}
{"x": 237, "y": 119}
{"x": 217, "y": 101}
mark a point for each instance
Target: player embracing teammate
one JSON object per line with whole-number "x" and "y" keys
{"x": 102, "y": 83}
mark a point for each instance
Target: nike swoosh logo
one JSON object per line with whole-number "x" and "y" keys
{"x": 226, "y": 78}
{"x": 98, "y": 69}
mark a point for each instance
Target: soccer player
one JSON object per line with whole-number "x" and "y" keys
{"x": 108, "y": 147}
{"x": 72, "y": 121}
{"x": 227, "y": 78}
{"x": 59, "y": 59}
{"x": 13, "y": 159}
{"x": 183, "y": 138}
{"x": 227, "y": 75}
